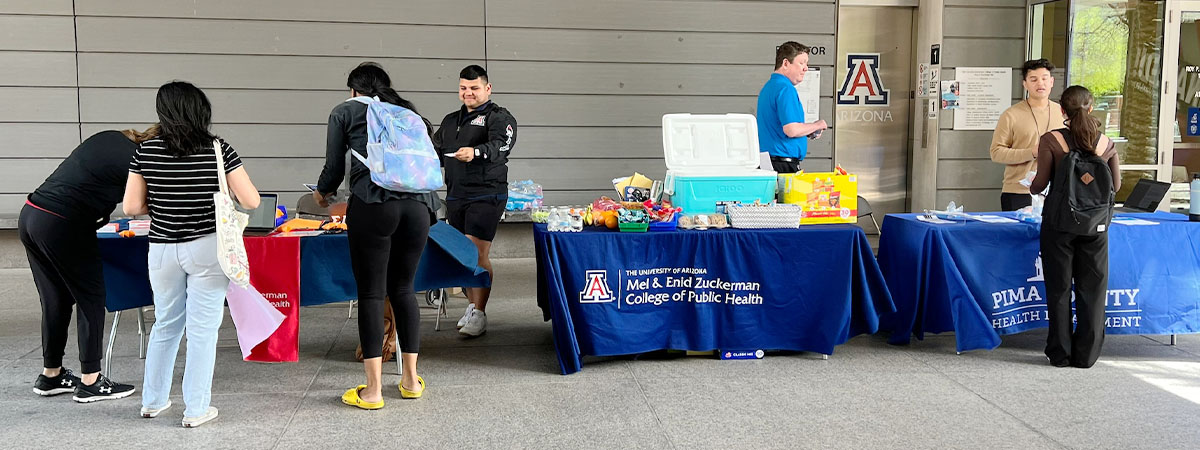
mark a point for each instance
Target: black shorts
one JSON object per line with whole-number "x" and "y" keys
{"x": 477, "y": 218}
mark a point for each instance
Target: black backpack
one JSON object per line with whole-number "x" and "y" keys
{"x": 1081, "y": 193}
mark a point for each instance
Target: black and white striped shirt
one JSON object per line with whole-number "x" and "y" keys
{"x": 180, "y": 190}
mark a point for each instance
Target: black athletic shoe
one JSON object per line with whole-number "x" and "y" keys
{"x": 102, "y": 389}
{"x": 64, "y": 383}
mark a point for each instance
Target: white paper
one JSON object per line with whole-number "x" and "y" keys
{"x": 1132, "y": 221}
{"x": 764, "y": 161}
{"x": 809, "y": 91}
{"x": 933, "y": 220}
{"x": 109, "y": 228}
{"x": 994, "y": 219}
{"x": 985, "y": 93}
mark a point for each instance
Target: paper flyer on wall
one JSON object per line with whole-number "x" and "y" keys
{"x": 950, "y": 94}
{"x": 985, "y": 92}
{"x": 809, "y": 91}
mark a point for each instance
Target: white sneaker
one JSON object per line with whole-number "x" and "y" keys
{"x": 476, "y": 324}
{"x": 193, "y": 422}
{"x": 151, "y": 413}
{"x": 466, "y": 315}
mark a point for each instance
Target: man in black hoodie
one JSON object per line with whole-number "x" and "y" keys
{"x": 474, "y": 142}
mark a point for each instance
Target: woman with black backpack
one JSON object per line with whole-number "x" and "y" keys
{"x": 387, "y": 231}
{"x": 1085, "y": 170}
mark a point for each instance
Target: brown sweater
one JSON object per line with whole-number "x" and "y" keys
{"x": 1016, "y": 139}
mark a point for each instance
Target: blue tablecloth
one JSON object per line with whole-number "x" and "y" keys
{"x": 611, "y": 293}
{"x": 984, "y": 280}
{"x": 449, "y": 260}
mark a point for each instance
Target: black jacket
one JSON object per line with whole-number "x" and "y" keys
{"x": 87, "y": 186}
{"x": 347, "y": 130}
{"x": 492, "y": 131}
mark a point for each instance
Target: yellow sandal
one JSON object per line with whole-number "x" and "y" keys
{"x": 405, "y": 393}
{"x": 351, "y": 398}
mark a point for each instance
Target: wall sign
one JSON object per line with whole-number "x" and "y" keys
{"x": 985, "y": 92}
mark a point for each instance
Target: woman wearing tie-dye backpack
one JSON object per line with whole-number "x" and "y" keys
{"x": 387, "y": 230}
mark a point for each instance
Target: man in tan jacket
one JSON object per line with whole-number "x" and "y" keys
{"x": 1015, "y": 141}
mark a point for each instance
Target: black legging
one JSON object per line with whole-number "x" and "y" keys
{"x": 386, "y": 241}
{"x": 65, "y": 259}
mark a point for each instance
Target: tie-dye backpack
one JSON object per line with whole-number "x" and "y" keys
{"x": 400, "y": 154}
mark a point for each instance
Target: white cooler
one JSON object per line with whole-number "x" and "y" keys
{"x": 713, "y": 158}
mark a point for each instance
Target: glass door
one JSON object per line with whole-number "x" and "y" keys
{"x": 1183, "y": 58}
{"x": 1116, "y": 50}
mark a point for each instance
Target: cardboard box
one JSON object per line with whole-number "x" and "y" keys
{"x": 825, "y": 197}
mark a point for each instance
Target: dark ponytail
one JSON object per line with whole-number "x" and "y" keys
{"x": 184, "y": 117}
{"x": 1077, "y": 104}
{"x": 372, "y": 81}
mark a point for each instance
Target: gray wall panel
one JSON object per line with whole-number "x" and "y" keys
{"x": 964, "y": 144}
{"x": 620, "y": 110}
{"x": 46, "y": 69}
{"x": 641, "y": 78}
{"x": 48, "y": 33}
{"x": 728, "y": 16}
{"x": 974, "y": 52}
{"x": 645, "y": 46}
{"x": 592, "y": 174}
{"x": 440, "y": 12}
{"x": 269, "y": 140}
{"x": 973, "y": 200}
{"x": 240, "y": 106}
{"x": 38, "y": 140}
{"x": 817, "y": 164}
{"x": 260, "y": 72}
{"x": 969, "y": 174}
{"x": 19, "y": 176}
{"x": 588, "y": 142}
{"x": 609, "y": 142}
{"x": 286, "y": 174}
{"x": 985, "y": 22}
{"x": 48, "y": 7}
{"x": 113, "y": 34}
{"x": 583, "y": 197}
{"x": 38, "y": 105}
{"x": 613, "y": 110}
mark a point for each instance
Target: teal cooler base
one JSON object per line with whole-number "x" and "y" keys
{"x": 700, "y": 195}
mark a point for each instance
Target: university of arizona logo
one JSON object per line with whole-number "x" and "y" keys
{"x": 862, "y": 85}
{"x": 595, "y": 289}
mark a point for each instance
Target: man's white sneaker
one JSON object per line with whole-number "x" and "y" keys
{"x": 466, "y": 315}
{"x": 193, "y": 422}
{"x": 476, "y": 324}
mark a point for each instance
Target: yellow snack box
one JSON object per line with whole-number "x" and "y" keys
{"x": 824, "y": 197}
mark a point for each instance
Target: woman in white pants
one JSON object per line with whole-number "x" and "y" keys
{"x": 173, "y": 177}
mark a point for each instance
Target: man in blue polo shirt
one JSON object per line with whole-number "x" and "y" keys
{"x": 781, "y": 129}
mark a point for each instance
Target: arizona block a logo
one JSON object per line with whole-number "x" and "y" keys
{"x": 862, "y": 85}
{"x": 595, "y": 287}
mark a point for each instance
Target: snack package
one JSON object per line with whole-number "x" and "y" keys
{"x": 824, "y": 197}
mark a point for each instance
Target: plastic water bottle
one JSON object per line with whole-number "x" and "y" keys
{"x": 576, "y": 220}
{"x": 554, "y": 219}
{"x": 1194, "y": 199}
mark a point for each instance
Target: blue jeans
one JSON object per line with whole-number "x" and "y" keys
{"x": 189, "y": 293}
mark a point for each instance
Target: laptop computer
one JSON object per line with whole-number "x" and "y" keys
{"x": 1145, "y": 197}
{"x": 262, "y": 218}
